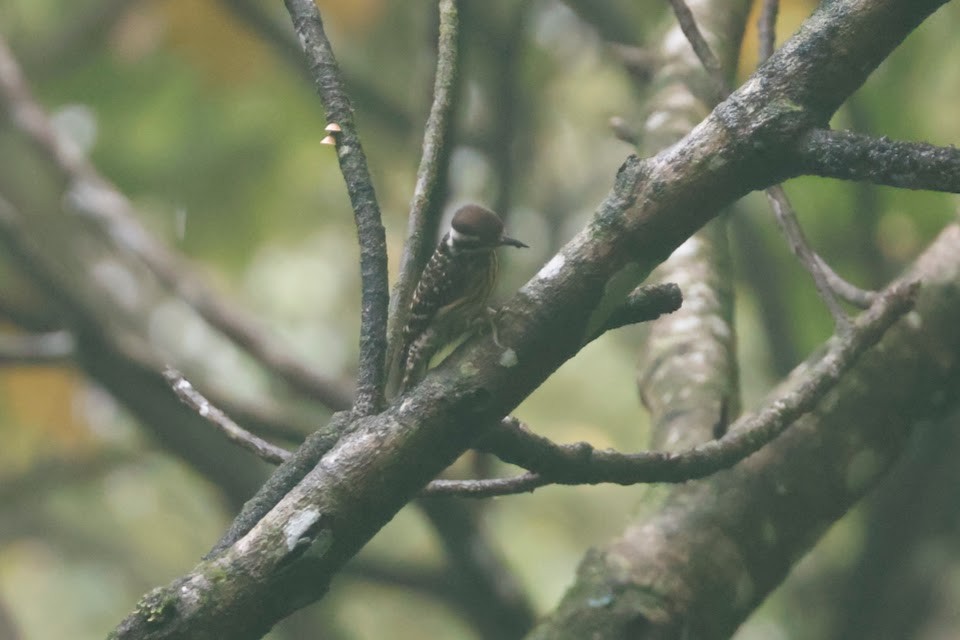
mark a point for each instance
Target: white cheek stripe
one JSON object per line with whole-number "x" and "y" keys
{"x": 455, "y": 236}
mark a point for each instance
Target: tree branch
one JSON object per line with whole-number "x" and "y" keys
{"x": 786, "y": 216}
{"x": 110, "y": 353}
{"x": 115, "y": 218}
{"x": 797, "y": 240}
{"x": 687, "y": 374}
{"x": 234, "y": 432}
{"x": 374, "y": 297}
{"x": 767, "y": 28}
{"x": 643, "y": 304}
{"x": 716, "y": 75}
{"x": 582, "y": 464}
{"x": 425, "y": 208}
{"x": 749, "y": 526}
{"x": 286, "y": 476}
{"x": 846, "y": 155}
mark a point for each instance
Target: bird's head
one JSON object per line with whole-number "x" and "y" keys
{"x": 476, "y": 228}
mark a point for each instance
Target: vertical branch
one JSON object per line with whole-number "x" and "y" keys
{"x": 767, "y": 28}
{"x": 687, "y": 375}
{"x": 425, "y": 208}
{"x": 372, "y": 237}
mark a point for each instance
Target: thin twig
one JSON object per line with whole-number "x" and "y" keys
{"x": 767, "y": 33}
{"x": 551, "y": 463}
{"x": 114, "y": 216}
{"x": 43, "y": 348}
{"x": 492, "y": 488}
{"x": 849, "y": 293}
{"x": 374, "y": 295}
{"x": 767, "y": 28}
{"x": 786, "y": 217}
{"x": 793, "y": 232}
{"x": 710, "y": 62}
{"x": 425, "y": 210}
{"x": 234, "y": 432}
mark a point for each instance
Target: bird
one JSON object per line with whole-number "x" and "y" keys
{"x": 453, "y": 288}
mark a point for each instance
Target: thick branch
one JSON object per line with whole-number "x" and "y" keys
{"x": 282, "y": 480}
{"x": 687, "y": 374}
{"x": 854, "y": 156}
{"x": 353, "y": 164}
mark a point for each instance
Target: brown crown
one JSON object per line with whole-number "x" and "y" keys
{"x": 478, "y": 222}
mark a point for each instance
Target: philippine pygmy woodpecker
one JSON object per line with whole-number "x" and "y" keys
{"x": 453, "y": 288}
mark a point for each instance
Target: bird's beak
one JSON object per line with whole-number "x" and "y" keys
{"x": 513, "y": 243}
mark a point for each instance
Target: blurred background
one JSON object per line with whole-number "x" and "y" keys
{"x": 201, "y": 113}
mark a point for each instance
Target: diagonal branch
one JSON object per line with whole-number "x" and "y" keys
{"x": 374, "y": 295}
{"x": 115, "y": 218}
{"x": 815, "y": 266}
{"x": 750, "y": 525}
{"x": 716, "y": 75}
{"x": 582, "y": 464}
{"x": 212, "y": 414}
